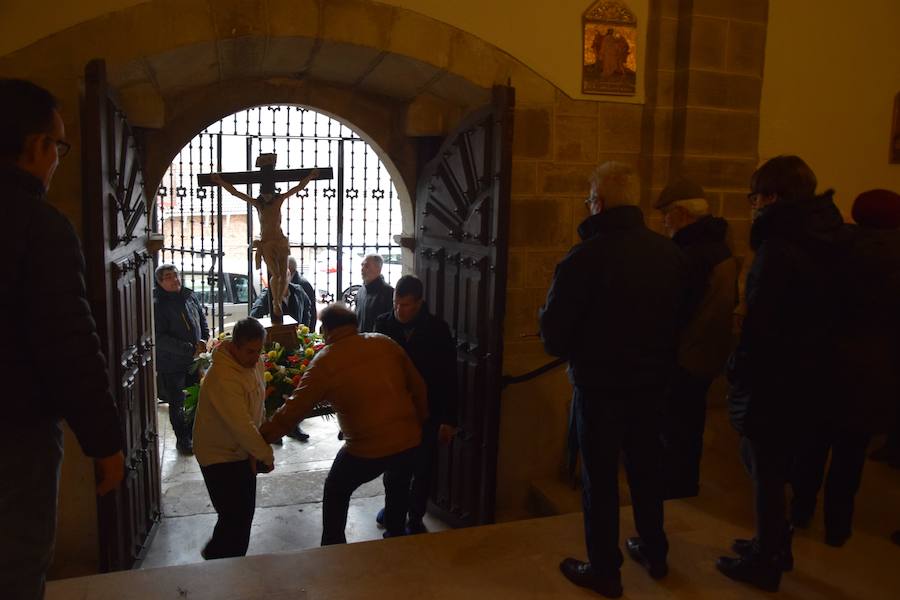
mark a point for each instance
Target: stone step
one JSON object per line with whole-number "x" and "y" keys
{"x": 555, "y": 496}
{"x": 507, "y": 561}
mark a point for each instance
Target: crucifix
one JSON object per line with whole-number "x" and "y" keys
{"x": 272, "y": 245}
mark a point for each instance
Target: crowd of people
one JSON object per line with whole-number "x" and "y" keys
{"x": 394, "y": 394}
{"x": 645, "y": 322}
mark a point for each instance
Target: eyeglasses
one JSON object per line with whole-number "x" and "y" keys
{"x": 62, "y": 148}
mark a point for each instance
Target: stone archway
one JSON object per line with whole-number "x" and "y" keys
{"x": 373, "y": 118}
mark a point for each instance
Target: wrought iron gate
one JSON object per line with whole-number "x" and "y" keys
{"x": 331, "y": 225}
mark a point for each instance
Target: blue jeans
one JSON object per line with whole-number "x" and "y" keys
{"x": 30, "y": 460}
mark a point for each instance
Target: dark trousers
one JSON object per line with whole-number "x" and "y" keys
{"x": 30, "y": 459}
{"x": 348, "y": 472}
{"x": 610, "y": 422}
{"x": 769, "y": 463}
{"x": 848, "y": 456}
{"x": 684, "y": 420}
{"x": 423, "y": 473}
{"x": 170, "y": 388}
{"x": 232, "y": 489}
{"x": 893, "y": 437}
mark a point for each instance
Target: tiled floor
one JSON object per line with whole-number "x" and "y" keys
{"x": 289, "y": 500}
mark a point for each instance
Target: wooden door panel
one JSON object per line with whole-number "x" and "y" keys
{"x": 119, "y": 278}
{"x": 462, "y": 204}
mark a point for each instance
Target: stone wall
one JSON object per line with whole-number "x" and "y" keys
{"x": 701, "y": 119}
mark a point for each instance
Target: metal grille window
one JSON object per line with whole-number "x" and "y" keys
{"x": 331, "y": 225}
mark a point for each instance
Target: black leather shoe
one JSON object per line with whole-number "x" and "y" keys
{"x": 743, "y": 547}
{"x": 752, "y": 569}
{"x": 581, "y": 574}
{"x": 637, "y": 549}
{"x": 674, "y": 492}
{"x": 801, "y": 521}
{"x": 884, "y": 454}
{"x": 836, "y": 540}
{"x": 415, "y": 527}
{"x": 298, "y": 434}
{"x": 185, "y": 447}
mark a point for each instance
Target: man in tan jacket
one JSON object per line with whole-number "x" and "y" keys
{"x": 707, "y": 338}
{"x": 380, "y": 401}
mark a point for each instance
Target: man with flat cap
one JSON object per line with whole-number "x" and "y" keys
{"x": 706, "y": 340}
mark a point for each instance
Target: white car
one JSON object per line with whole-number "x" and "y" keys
{"x": 235, "y": 293}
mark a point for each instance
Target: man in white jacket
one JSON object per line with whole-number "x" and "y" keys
{"x": 227, "y": 442}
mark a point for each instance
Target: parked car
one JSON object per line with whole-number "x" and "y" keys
{"x": 236, "y": 294}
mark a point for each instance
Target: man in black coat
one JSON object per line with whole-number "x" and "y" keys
{"x": 614, "y": 310}
{"x": 181, "y": 334}
{"x": 296, "y": 304}
{"x": 777, "y": 372}
{"x": 298, "y": 279}
{"x": 375, "y": 297}
{"x": 427, "y": 340}
{"x": 51, "y": 364}
{"x": 706, "y": 340}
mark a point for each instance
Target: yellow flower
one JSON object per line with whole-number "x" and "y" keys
{"x": 272, "y": 354}
{"x": 302, "y": 368}
{"x": 309, "y": 352}
{"x": 267, "y": 377}
{"x": 303, "y": 329}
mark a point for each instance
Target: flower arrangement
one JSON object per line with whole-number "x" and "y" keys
{"x": 283, "y": 369}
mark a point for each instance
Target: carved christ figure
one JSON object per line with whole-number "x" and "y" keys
{"x": 272, "y": 246}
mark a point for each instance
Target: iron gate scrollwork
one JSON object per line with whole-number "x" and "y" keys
{"x": 330, "y": 225}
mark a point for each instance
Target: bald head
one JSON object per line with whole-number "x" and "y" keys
{"x": 337, "y": 315}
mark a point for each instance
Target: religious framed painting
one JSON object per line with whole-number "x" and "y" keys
{"x": 609, "y": 49}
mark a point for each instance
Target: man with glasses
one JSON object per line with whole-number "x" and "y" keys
{"x": 614, "y": 311}
{"x": 779, "y": 384}
{"x": 39, "y": 240}
{"x": 182, "y": 333}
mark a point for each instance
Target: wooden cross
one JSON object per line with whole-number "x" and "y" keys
{"x": 267, "y": 177}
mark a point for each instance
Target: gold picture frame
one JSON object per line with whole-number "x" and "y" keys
{"x": 609, "y": 49}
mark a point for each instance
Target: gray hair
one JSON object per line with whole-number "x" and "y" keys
{"x": 696, "y": 207}
{"x": 375, "y": 258}
{"x": 617, "y": 184}
{"x": 162, "y": 269}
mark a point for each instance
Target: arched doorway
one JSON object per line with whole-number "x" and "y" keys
{"x": 207, "y": 234}
{"x": 331, "y": 225}
{"x": 462, "y": 204}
